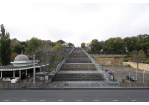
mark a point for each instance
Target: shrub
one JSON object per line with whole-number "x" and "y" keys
{"x": 126, "y": 59}
{"x": 147, "y": 62}
{"x": 128, "y": 65}
{"x": 123, "y": 80}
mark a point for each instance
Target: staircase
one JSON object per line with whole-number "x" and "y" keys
{"x": 78, "y": 67}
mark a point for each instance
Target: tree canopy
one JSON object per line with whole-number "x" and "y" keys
{"x": 5, "y": 47}
{"x": 33, "y": 44}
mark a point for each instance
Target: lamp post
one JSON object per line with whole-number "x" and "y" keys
{"x": 34, "y": 68}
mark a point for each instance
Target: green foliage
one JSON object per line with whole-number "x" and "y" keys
{"x": 131, "y": 43}
{"x": 18, "y": 48}
{"x": 95, "y": 46}
{"x": 83, "y": 45}
{"x": 126, "y": 59}
{"x": 123, "y": 80}
{"x": 60, "y": 41}
{"x": 23, "y": 43}
{"x": 70, "y": 44}
{"x": 5, "y": 47}
{"x": 147, "y": 62}
{"x": 53, "y": 68}
{"x": 128, "y": 65}
{"x": 33, "y": 44}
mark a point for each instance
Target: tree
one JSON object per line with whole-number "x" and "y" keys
{"x": 33, "y": 44}
{"x": 14, "y": 54}
{"x": 138, "y": 56}
{"x": 5, "y": 48}
{"x": 47, "y": 54}
{"x": 131, "y": 43}
{"x": 143, "y": 43}
{"x": 23, "y": 43}
{"x": 18, "y": 48}
{"x": 60, "y": 41}
{"x": 70, "y": 44}
{"x": 95, "y": 46}
{"x": 114, "y": 46}
{"x": 83, "y": 45}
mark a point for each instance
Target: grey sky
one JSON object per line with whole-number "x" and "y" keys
{"x": 75, "y": 22}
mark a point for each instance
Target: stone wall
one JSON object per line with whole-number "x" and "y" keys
{"x": 104, "y": 60}
{"x": 140, "y": 65}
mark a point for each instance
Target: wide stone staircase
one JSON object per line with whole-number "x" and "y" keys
{"x": 78, "y": 67}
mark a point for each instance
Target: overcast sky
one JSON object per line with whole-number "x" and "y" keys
{"x": 75, "y": 22}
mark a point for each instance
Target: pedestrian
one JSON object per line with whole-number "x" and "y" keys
{"x": 67, "y": 65}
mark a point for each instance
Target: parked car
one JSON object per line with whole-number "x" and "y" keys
{"x": 106, "y": 70}
{"x": 132, "y": 78}
{"x": 110, "y": 72}
{"x": 14, "y": 81}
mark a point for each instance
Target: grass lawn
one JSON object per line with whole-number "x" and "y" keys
{"x": 52, "y": 68}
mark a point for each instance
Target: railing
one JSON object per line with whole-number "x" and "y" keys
{"x": 75, "y": 85}
{"x": 99, "y": 68}
{"x": 60, "y": 64}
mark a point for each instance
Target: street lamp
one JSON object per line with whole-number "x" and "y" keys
{"x": 34, "y": 68}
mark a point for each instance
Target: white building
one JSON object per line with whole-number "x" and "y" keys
{"x": 21, "y": 67}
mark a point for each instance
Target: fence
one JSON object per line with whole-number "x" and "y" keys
{"x": 76, "y": 85}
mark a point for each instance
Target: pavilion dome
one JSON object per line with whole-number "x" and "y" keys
{"x": 21, "y": 57}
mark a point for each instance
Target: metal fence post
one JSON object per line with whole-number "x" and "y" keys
{"x": 137, "y": 84}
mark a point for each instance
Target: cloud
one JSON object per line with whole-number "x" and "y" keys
{"x": 76, "y": 23}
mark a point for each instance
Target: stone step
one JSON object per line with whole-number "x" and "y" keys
{"x": 78, "y": 61}
{"x": 77, "y": 77}
{"x": 78, "y": 67}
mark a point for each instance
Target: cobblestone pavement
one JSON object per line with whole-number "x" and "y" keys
{"x": 120, "y": 73}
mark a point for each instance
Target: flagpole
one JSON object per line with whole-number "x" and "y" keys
{"x": 129, "y": 75}
{"x": 136, "y": 74}
{"x": 143, "y": 75}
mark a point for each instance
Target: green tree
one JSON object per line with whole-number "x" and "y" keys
{"x": 95, "y": 46}
{"x": 18, "y": 48}
{"x": 83, "y": 45}
{"x": 131, "y": 43}
{"x": 70, "y": 44}
{"x": 143, "y": 43}
{"x": 33, "y": 44}
{"x": 114, "y": 46}
{"x": 60, "y": 41}
{"x": 5, "y": 48}
{"x": 23, "y": 43}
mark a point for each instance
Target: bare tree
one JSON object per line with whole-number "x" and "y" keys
{"x": 47, "y": 54}
{"x": 138, "y": 56}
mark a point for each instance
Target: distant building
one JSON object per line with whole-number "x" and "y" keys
{"x": 65, "y": 44}
{"x": 87, "y": 45}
